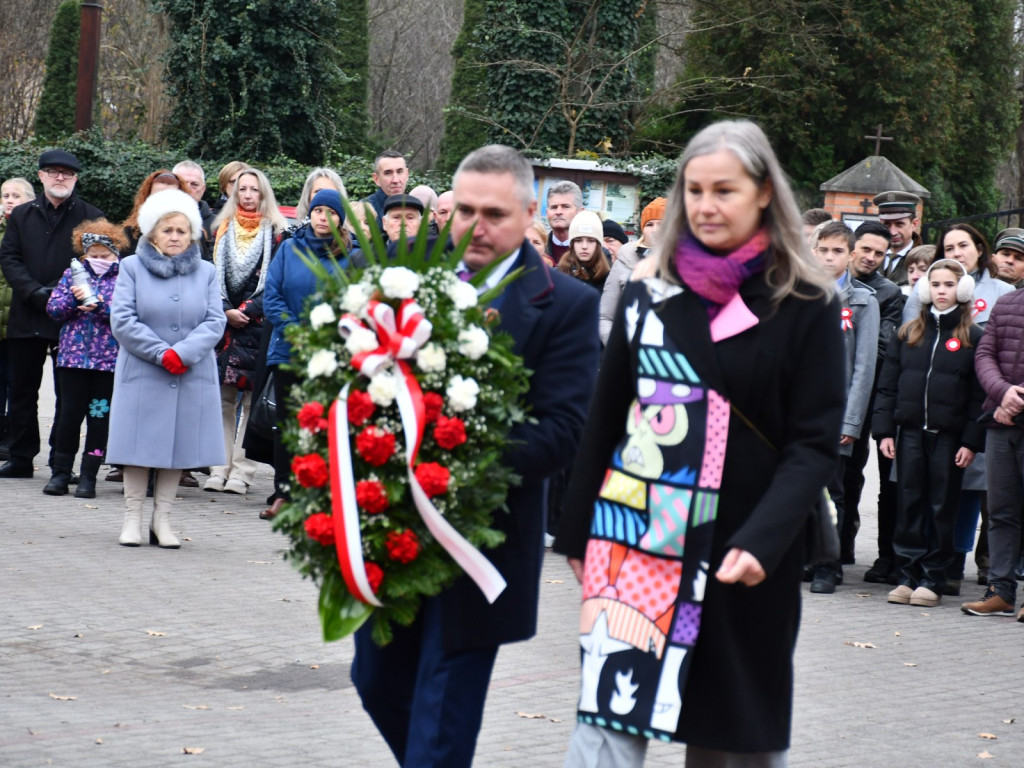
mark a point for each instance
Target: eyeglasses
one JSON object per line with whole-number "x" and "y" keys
{"x": 59, "y": 173}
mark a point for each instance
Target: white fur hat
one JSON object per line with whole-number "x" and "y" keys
{"x": 586, "y": 224}
{"x": 166, "y": 202}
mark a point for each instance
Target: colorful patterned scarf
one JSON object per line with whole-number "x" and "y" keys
{"x": 716, "y": 279}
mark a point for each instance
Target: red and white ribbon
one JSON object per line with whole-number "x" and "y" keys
{"x": 980, "y": 305}
{"x": 847, "y": 318}
{"x": 399, "y": 342}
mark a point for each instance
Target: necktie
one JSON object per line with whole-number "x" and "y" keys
{"x": 465, "y": 275}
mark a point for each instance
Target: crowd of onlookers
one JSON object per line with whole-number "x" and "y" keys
{"x": 63, "y": 279}
{"x": 931, "y": 375}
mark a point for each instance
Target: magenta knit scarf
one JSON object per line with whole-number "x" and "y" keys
{"x": 716, "y": 279}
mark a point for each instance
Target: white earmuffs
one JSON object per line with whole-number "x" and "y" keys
{"x": 964, "y": 287}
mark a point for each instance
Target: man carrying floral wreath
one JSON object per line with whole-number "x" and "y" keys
{"x": 425, "y": 690}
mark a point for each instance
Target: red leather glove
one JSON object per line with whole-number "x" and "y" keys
{"x": 173, "y": 363}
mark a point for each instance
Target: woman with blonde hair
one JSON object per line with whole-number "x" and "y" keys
{"x": 247, "y": 231}
{"x": 713, "y": 423}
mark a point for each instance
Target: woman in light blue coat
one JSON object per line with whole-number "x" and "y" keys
{"x": 167, "y": 316}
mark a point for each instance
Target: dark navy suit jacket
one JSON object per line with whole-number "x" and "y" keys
{"x": 553, "y": 319}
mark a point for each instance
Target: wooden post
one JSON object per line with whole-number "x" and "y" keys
{"x": 88, "y": 63}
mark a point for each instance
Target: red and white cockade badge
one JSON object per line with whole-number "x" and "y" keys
{"x": 979, "y": 306}
{"x": 953, "y": 345}
{"x": 847, "y": 316}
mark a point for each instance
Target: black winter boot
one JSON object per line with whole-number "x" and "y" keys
{"x": 87, "y": 484}
{"x": 58, "y": 485}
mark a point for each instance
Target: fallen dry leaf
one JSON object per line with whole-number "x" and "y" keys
{"x": 105, "y": 672}
{"x": 260, "y": 562}
{"x": 897, "y": 633}
{"x": 863, "y": 594}
{"x": 228, "y": 512}
{"x": 861, "y": 645}
{"x": 36, "y": 626}
{"x": 154, "y": 633}
{"x": 909, "y": 664}
{"x": 986, "y": 755}
{"x": 185, "y": 538}
{"x": 554, "y": 581}
{"x": 314, "y": 666}
{"x": 79, "y": 635}
{"x": 195, "y": 706}
{"x": 990, "y": 736}
{"x": 91, "y": 506}
{"x": 31, "y": 732}
{"x": 528, "y": 716}
{"x": 234, "y": 708}
{"x": 1010, "y": 720}
{"x": 62, "y": 698}
{"x": 555, "y": 719}
{"x": 99, "y": 739}
{"x": 193, "y": 750}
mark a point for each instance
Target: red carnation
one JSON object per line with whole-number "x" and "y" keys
{"x": 449, "y": 433}
{"x": 360, "y": 407}
{"x": 311, "y": 417}
{"x": 433, "y": 478}
{"x": 403, "y": 546}
{"x": 432, "y": 403}
{"x": 371, "y": 496}
{"x": 375, "y": 445}
{"x": 320, "y": 528}
{"x": 310, "y": 470}
{"x": 374, "y": 575}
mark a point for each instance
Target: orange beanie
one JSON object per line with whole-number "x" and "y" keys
{"x": 654, "y": 210}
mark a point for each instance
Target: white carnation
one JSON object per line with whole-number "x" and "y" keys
{"x": 462, "y": 393}
{"x": 399, "y": 282}
{"x": 321, "y": 315}
{"x": 355, "y": 298}
{"x": 382, "y": 389}
{"x": 431, "y": 358}
{"x": 463, "y": 294}
{"x": 473, "y": 342}
{"x": 361, "y": 340}
{"x": 322, "y": 363}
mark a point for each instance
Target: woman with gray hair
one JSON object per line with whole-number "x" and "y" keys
{"x": 711, "y": 435}
{"x": 248, "y": 230}
{"x": 166, "y": 315}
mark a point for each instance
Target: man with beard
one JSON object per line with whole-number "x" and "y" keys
{"x": 35, "y": 252}
{"x": 871, "y": 244}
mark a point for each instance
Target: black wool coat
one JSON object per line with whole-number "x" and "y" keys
{"x": 34, "y": 255}
{"x": 786, "y": 376}
{"x": 932, "y": 385}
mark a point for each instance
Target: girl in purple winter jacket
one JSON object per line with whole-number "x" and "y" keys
{"x": 85, "y": 357}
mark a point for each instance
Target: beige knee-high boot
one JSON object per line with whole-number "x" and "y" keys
{"x": 164, "y": 489}
{"x": 135, "y": 481}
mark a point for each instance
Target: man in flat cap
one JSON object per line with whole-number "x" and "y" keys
{"x": 35, "y": 252}
{"x": 401, "y": 213}
{"x": 1009, "y": 256}
{"x": 898, "y": 212}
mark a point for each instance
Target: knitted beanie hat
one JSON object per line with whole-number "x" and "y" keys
{"x": 166, "y": 202}
{"x": 329, "y": 198}
{"x": 655, "y": 210}
{"x": 586, "y": 224}
{"x": 614, "y": 229}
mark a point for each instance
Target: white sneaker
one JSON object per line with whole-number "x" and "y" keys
{"x": 234, "y": 485}
{"x": 214, "y": 483}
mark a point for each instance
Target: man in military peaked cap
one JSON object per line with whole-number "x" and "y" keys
{"x": 898, "y": 212}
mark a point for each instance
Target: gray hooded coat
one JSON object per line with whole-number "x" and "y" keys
{"x": 158, "y": 419}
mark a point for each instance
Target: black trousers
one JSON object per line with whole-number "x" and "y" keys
{"x": 283, "y": 383}
{"x": 26, "y": 358}
{"x": 853, "y": 484}
{"x": 87, "y": 395}
{"x": 929, "y": 496}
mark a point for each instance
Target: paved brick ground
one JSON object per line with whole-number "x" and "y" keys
{"x": 111, "y": 656}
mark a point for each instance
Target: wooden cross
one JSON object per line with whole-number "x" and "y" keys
{"x": 878, "y": 138}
